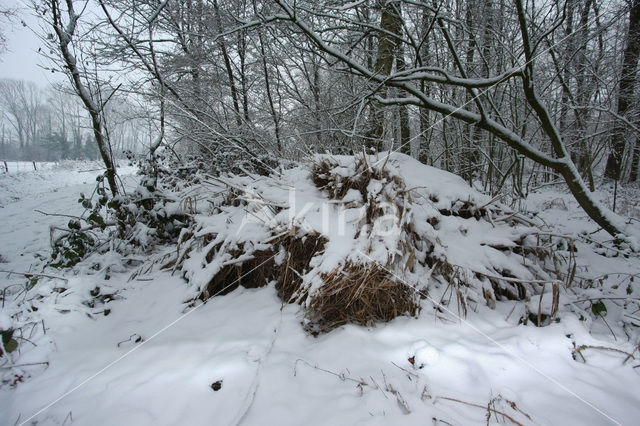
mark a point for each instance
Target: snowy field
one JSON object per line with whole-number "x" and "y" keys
{"x": 142, "y": 359}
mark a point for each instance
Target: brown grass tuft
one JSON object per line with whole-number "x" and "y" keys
{"x": 261, "y": 268}
{"x": 255, "y": 272}
{"x": 360, "y": 294}
{"x": 337, "y": 185}
{"x": 299, "y": 250}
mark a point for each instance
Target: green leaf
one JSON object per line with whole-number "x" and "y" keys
{"x": 6, "y": 335}
{"x": 97, "y": 220}
{"x": 599, "y": 308}
{"x": 32, "y": 283}
{"x": 11, "y": 346}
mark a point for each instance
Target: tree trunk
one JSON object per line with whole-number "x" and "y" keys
{"x": 390, "y": 23}
{"x": 242, "y": 52}
{"x": 405, "y": 131}
{"x": 613, "y": 168}
{"x": 272, "y": 108}
{"x": 228, "y": 66}
{"x": 635, "y": 163}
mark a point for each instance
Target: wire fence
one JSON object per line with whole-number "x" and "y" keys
{"x": 19, "y": 166}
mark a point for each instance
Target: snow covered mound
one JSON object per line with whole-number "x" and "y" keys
{"x": 360, "y": 239}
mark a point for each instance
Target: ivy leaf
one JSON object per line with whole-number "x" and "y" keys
{"x": 96, "y": 219}
{"x": 10, "y": 346}
{"x": 6, "y": 335}
{"x": 599, "y": 308}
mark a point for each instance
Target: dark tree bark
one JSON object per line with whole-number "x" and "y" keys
{"x": 405, "y": 131}
{"x": 272, "y": 108}
{"x": 635, "y": 163}
{"x": 228, "y": 66}
{"x": 613, "y": 168}
{"x": 390, "y": 25}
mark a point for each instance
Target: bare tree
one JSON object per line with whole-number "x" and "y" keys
{"x": 20, "y": 101}
{"x": 6, "y": 14}
{"x": 63, "y": 43}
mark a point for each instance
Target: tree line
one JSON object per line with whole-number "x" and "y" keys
{"x": 50, "y": 124}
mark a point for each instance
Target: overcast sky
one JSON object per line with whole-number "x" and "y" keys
{"x": 21, "y": 60}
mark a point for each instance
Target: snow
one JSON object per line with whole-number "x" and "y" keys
{"x": 270, "y": 370}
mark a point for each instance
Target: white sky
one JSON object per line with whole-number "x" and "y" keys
{"x": 21, "y": 60}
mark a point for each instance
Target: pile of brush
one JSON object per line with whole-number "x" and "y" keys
{"x": 377, "y": 235}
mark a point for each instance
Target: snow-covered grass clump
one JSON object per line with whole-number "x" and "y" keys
{"x": 360, "y": 239}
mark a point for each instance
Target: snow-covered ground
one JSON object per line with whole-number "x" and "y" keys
{"x": 243, "y": 358}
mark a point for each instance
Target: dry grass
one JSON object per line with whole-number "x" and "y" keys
{"x": 337, "y": 185}
{"x": 257, "y": 271}
{"x": 260, "y": 268}
{"x": 299, "y": 250}
{"x": 359, "y": 294}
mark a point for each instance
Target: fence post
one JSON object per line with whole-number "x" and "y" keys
{"x": 34, "y": 165}
{"x": 6, "y": 166}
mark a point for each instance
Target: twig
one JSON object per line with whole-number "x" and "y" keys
{"x": 409, "y": 373}
{"x": 28, "y": 364}
{"x": 604, "y": 298}
{"x": 514, "y": 421}
{"x": 580, "y": 348}
{"x": 31, "y": 275}
{"x": 341, "y": 376}
{"x": 518, "y": 280}
{"x": 608, "y": 326}
{"x": 57, "y": 214}
{"x": 493, "y": 200}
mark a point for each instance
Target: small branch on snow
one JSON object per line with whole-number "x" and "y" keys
{"x": 29, "y": 364}
{"x": 31, "y": 275}
{"x": 341, "y": 376}
{"x": 603, "y": 298}
{"x": 57, "y": 214}
{"x": 518, "y": 280}
{"x": 580, "y": 348}
{"x": 471, "y": 404}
